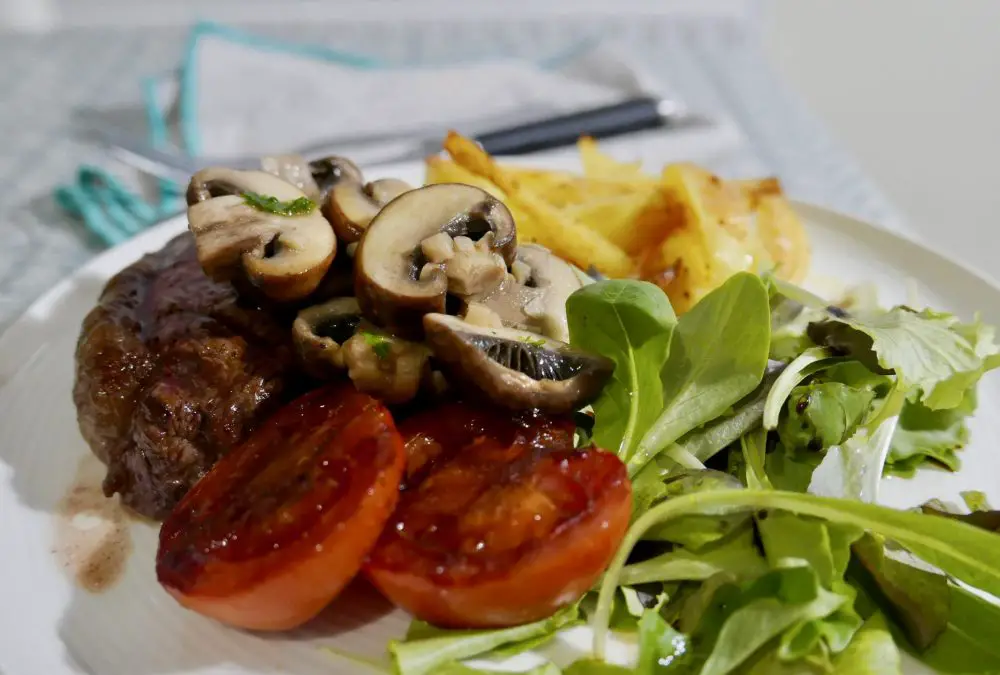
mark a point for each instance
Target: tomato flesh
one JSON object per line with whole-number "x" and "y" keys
{"x": 501, "y": 521}
{"x": 282, "y": 523}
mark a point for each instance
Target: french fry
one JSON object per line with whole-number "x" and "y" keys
{"x": 599, "y": 165}
{"x": 546, "y": 224}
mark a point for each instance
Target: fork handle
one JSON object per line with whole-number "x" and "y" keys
{"x": 635, "y": 114}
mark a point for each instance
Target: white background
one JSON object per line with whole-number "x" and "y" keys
{"x": 912, "y": 88}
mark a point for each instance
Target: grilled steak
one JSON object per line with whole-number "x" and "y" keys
{"x": 173, "y": 370}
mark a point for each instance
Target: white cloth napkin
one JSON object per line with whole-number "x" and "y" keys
{"x": 236, "y": 97}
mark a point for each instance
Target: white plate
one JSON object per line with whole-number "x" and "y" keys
{"x": 48, "y": 626}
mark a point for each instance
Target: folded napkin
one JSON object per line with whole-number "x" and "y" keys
{"x": 238, "y": 94}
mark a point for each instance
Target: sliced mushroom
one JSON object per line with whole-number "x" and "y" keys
{"x": 333, "y": 337}
{"x": 533, "y": 297}
{"x": 351, "y": 206}
{"x": 285, "y": 257}
{"x": 516, "y": 369}
{"x": 320, "y": 331}
{"x": 395, "y": 282}
{"x": 330, "y": 171}
{"x": 295, "y": 170}
{"x": 386, "y": 366}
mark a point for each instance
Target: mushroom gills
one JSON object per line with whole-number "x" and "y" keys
{"x": 531, "y": 359}
{"x": 516, "y": 369}
{"x": 338, "y": 328}
{"x": 320, "y": 331}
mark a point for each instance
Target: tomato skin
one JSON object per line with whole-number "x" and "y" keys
{"x": 501, "y": 521}
{"x": 282, "y": 523}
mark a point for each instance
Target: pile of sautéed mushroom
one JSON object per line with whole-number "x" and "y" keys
{"x": 405, "y": 290}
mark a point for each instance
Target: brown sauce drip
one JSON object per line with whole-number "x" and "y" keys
{"x": 93, "y": 540}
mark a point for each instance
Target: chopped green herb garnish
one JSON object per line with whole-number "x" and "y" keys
{"x": 379, "y": 343}
{"x": 270, "y": 204}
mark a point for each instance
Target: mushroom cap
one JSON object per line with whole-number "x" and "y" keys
{"x": 285, "y": 257}
{"x": 391, "y": 280}
{"x": 319, "y": 331}
{"x": 516, "y": 369}
{"x": 351, "y": 206}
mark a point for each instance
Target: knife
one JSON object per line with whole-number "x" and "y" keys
{"x": 631, "y": 115}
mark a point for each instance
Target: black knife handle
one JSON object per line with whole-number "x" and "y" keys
{"x": 632, "y": 115}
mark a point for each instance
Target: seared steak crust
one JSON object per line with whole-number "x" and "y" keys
{"x": 173, "y": 370}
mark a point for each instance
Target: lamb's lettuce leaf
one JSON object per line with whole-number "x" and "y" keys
{"x": 711, "y": 438}
{"x": 717, "y": 356}
{"x": 631, "y": 323}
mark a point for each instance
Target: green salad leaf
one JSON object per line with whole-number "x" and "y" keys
{"x": 735, "y": 556}
{"x": 718, "y": 356}
{"x": 427, "y": 649}
{"x": 853, "y": 469}
{"x": 697, "y": 530}
{"x": 975, "y": 500}
{"x": 809, "y": 362}
{"x": 925, "y": 434}
{"x": 984, "y": 520}
{"x": 754, "y": 447}
{"x": 825, "y": 546}
{"x": 631, "y": 323}
{"x": 711, "y": 438}
{"x": 821, "y": 414}
{"x": 765, "y": 609}
{"x": 969, "y": 644}
{"x": 458, "y": 668}
{"x": 958, "y": 549}
{"x": 661, "y": 648}
{"x": 930, "y": 352}
{"x": 596, "y": 667}
{"x": 871, "y": 652}
{"x": 918, "y": 599}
